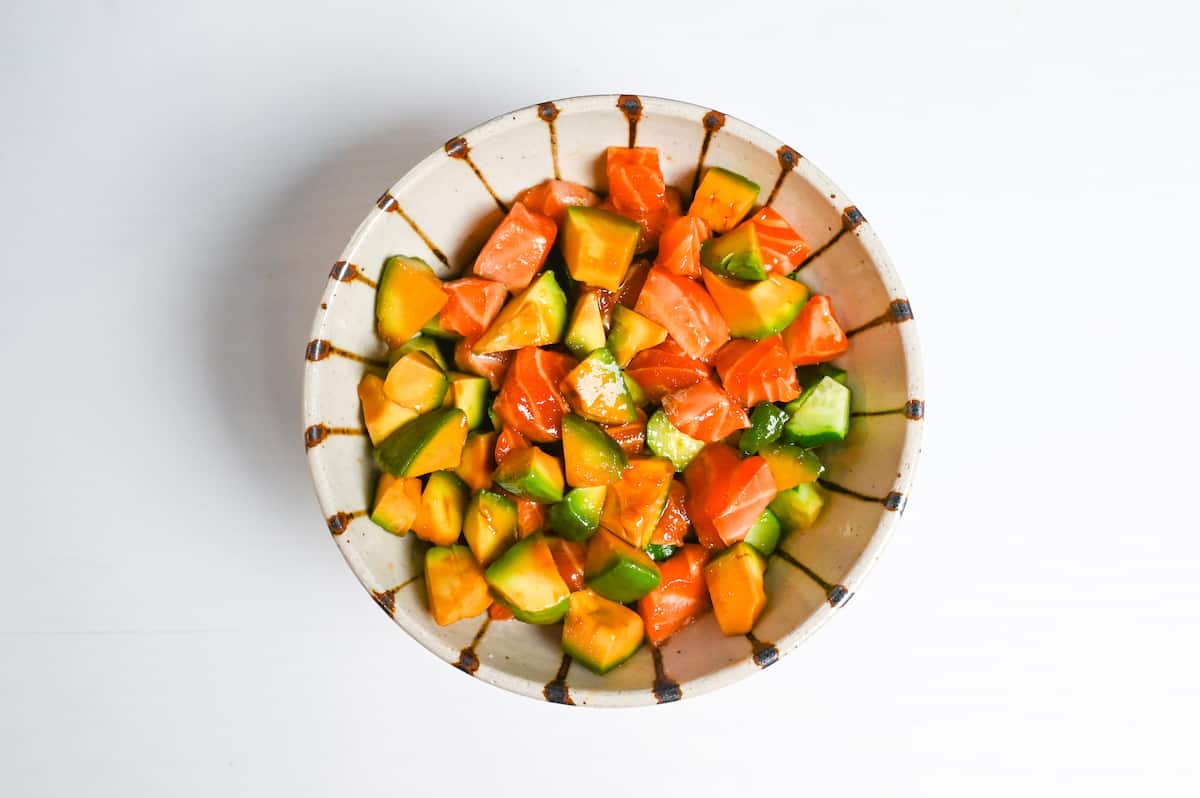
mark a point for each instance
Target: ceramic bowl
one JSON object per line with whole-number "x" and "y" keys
{"x": 444, "y": 209}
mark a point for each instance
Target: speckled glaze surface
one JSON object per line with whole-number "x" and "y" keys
{"x": 443, "y": 211}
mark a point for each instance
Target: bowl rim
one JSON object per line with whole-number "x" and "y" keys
{"x": 909, "y": 451}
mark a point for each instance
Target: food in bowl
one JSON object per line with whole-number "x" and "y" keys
{"x": 612, "y": 420}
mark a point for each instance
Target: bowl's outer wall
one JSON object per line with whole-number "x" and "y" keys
{"x": 443, "y": 210}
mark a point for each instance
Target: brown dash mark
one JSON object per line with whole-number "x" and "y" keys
{"x": 556, "y": 690}
{"x": 346, "y": 272}
{"x": 788, "y": 158}
{"x": 765, "y": 654}
{"x": 893, "y": 501}
{"x": 913, "y": 410}
{"x": 851, "y": 218}
{"x": 319, "y": 349}
{"x": 388, "y": 204}
{"x": 458, "y": 148}
{"x": 548, "y": 112}
{"x": 666, "y": 689}
{"x": 898, "y": 311}
{"x": 339, "y": 522}
{"x": 386, "y": 599}
{"x": 631, "y": 106}
{"x": 315, "y": 434}
{"x": 712, "y": 121}
{"x": 836, "y": 595}
{"x": 468, "y": 660}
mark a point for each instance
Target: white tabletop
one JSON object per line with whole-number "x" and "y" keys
{"x": 175, "y": 181}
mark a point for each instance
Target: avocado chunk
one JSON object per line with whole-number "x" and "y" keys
{"x": 723, "y": 199}
{"x": 797, "y": 508}
{"x": 397, "y": 502}
{"x": 791, "y": 465}
{"x": 764, "y": 534}
{"x": 415, "y": 381}
{"x": 531, "y": 473}
{"x": 469, "y": 394}
{"x": 454, "y": 584}
{"x": 600, "y": 634}
{"x": 591, "y": 456}
{"x": 735, "y": 585}
{"x": 631, "y": 333}
{"x": 381, "y": 416}
{"x": 477, "y": 461}
{"x": 431, "y": 442}
{"x": 585, "y": 332}
{"x": 735, "y": 254}
{"x": 422, "y": 343}
{"x": 534, "y": 317}
{"x": 635, "y": 503}
{"x": 443, "y": 504}
{"x": 409, "y": 294}
{"x": 617, "y": 570}
{"x": 527, "y": 580}
{"x": 577, "y": 516}
{"x": 596, "y": 390}
{"x": 490, "y": 525}
{"x": 766, "y": 425}
{"x": 821, "y": 414}
{"x": 757, "y": 309}
{"x": 598, "y": 246}
{"x": 665, "y": 440}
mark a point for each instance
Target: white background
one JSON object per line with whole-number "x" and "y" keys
{"x": 175, "y": 181}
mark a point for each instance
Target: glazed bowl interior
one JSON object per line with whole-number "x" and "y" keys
{"x": 444, "y": 209}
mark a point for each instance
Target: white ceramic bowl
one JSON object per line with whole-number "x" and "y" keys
{"x": 443, "y": 211}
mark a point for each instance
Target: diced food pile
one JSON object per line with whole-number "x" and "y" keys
{"x": 611, "y": 421}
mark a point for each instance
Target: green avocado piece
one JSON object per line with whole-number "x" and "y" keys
{"x": 407, "y": 297}
{"x": 617, "y": 570}
{"x": 791, "y": 464}
{"x": 596, "y": 390}
{"x": 397, "y": 502}
{"x": 531, "y": 473}
{"x": 756, "y": 310}
{"x": 490, "y": 525}
{"x": 797, "y": 508}
{"x": 469, "y": 394}
{"x": 820, "y": 415}
{"x": 443, "y": 505}
{"x": 807, "y": 375}
{"x": 766, "y": 425}
{"x": 585, "y": 332}
{"x": 422, "y": 343}
{"x": 417, "y": 382}
{"x": 590, "y": 455}
{"x": 577, "y": 516}
{"x": 598, "y": 245}
{"x": 534, "y": 317}
{"x": 527, "y": 580}
{"x": 660, "y": 552}
{"x": 723, "y": 198}
{"x": 600, "y": 634}
{"x": 430, "y": 442}
{"x": 735, "y": 254}
{"x": 764, "y": 534}
{"x": 631, "y": 333}
{"x": 666, "y": 441}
